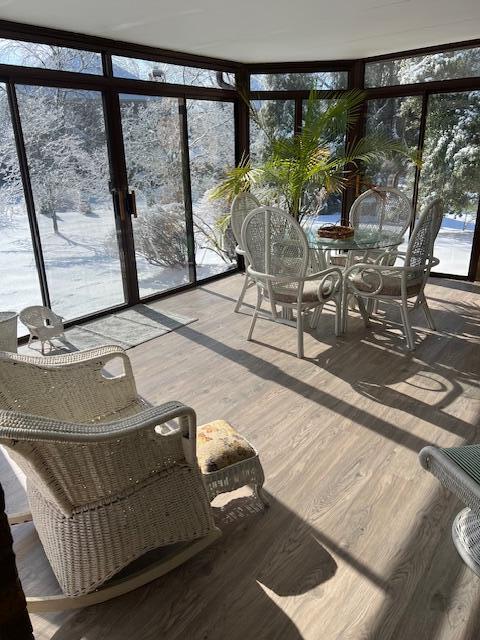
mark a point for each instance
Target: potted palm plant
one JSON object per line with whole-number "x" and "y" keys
{"x": 316, "y": 159}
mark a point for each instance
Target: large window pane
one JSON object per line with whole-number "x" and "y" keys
{"x": 396, "y": 119}
{"x": 139, "y": 69}
{"x": 277, "y": 119}
{"x": 64, "y": 133}
{"x": 152, "y": 138}
{"x": 211, "y": 138}
{"x": 47, "y": 56}
{"x": 451, "y": 170}
{"x": 291, "y": 81}
{"x": 445, "y": 65}
{"x": 20, "y": 284}
{"x": 322, "y": 207}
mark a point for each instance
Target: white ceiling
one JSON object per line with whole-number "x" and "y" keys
{"x": 261, "y": 30}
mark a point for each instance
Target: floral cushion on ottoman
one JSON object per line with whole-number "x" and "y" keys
{"x": 219, "y": 445}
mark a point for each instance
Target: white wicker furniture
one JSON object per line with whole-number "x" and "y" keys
{"x": 43, "y": 324}
{"x": 379, "y": 208}
{"x": 228, "y": 461}
{"x": 458, "y": 469}
{"x": 8, "y": 331}
{"x": 105, "y": 482}
{"x": 242, "y": 204}
{"x": 399, "y": 283}
{"x": 278, "y": 254}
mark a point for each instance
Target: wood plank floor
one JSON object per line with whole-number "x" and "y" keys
{"x": 356, "y": 543}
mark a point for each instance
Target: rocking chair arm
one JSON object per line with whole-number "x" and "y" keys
{"x": 107, "y": 352}
{"x": 21, "y": 426}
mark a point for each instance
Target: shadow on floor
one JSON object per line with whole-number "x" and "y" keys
{"x": 429, "y": 586}
{"x": 229, "y": 591}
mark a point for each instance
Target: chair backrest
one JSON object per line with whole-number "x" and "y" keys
{"x": 73, "y": 387}
{"x": 66, "y": 472}
{"x": 38, "y": 316}
{"x": 275, "y": 243}
{"x": 382, "y": 208}
{"x": 420, "y": 246}
{"x": 242, "y": 204}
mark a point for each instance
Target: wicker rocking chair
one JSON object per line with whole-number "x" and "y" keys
{"x": 107, "y": 479}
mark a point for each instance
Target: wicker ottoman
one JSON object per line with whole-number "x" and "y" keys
{"x": 228, "y": 461}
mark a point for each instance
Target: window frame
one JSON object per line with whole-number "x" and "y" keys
{"x": 112, "y": 86}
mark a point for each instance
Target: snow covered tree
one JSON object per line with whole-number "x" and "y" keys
{"x": 451, "y": 154}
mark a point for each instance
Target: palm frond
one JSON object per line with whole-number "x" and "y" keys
{"x": 316, "y": 156}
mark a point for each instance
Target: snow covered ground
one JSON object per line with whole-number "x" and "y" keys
{"x": 85, "y": 277}
{"x": 83, "y": 270}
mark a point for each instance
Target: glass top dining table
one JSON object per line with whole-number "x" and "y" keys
{"x": 355, "y": 247}
{"x": 360, "y": 241}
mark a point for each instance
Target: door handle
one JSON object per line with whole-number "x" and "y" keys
{"x": 119, "y": 198}
{"x": 133, "y": 204}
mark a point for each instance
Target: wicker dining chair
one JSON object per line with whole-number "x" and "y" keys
{"x": 242, "y": 204}
{"x": 379, "y": 208}
{"x": 388, "y": 283}
{"x": 107, "y": 479}
{"x": 278, "y": 254}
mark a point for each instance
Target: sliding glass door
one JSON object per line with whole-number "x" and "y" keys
{"x": 211, "y": 145}
{"x": 68, "y": 166}
{"x": 152, "y": 137}
{"x": 107, "y": 164}
{"x": 18, "y": 272}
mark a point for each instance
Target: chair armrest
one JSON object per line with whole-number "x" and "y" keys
{"x": 379, "y": 271}
{"x": 88, "y": 355}
{"x": 325, "y": 273}
{"x": 451, "y": 475}
{"x": 363, "y": 266}
{"x": 45, "y": 448}
{"x": 22, "y": 426}
{"x": 288, "y": 279}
